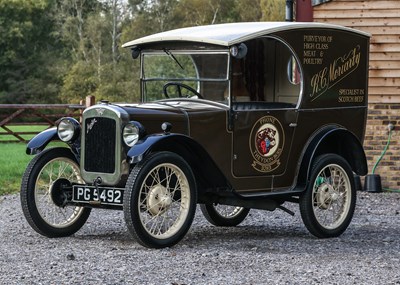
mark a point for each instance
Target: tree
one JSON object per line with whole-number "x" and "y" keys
{"x": 63, "y": 50}
{"x": 71, "y": 18}
{"x": 98, "y": 70}
{"x": 205, "y": 12}
{"x": 27, "y": 47}
{"x": 117, "y": 14}
{"x": 248, "y": 10}
{"x": 272, "y": 10}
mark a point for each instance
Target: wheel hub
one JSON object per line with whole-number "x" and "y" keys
{"x": 159, "y": 200}
{"x": 58, "y": 192}
{"x": 325, "y": 196}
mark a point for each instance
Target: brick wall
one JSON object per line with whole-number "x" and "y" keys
{"x": 376, "y": 136}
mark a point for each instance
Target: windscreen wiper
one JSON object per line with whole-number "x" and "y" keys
{"x": 173, "y": 57}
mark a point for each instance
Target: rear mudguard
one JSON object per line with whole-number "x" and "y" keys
{"x": 333, "y": 140}
{"x": 41, "y": 140}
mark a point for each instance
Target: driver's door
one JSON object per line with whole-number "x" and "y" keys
{"x": 264, "y": 125}
{"x": 262, "y": 141}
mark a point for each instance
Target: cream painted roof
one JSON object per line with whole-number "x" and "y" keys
{"x": 230, "y": 34}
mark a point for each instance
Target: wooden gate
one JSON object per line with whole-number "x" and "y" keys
{"x": 46, "y": 115}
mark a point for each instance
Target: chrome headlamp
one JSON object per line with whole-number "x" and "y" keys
{"x": 132, "y": 132}
{"x": 68, "y": 129}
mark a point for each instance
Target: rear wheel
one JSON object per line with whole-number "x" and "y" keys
{"x": 328, "y": 204}
{"x": 43, "y": 203}
{"x": 224, "y": 215}
{"x": 160, "y": 200}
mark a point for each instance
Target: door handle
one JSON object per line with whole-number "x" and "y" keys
{"x": 292, "y": 125}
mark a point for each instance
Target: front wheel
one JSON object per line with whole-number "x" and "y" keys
{"x": 160, "y": 200}
{"x": 328, "y": 204}
{"x": 224, "y": 215}
{"x": 42, "y": 201}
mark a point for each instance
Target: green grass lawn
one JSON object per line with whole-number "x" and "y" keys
{"x": 13, "y": 161}
{"x": 13, "y": 158}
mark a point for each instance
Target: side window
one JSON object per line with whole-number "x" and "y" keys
{"x": 288, "y": 77}
{"x": 269, "y": 75}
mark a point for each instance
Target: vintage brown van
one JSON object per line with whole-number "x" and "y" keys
{"x": 232, "y": 117}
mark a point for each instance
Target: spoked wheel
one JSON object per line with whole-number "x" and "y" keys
{"x": 224, "y": 215}
{"x": 160, "y": 200}
{"x": 43, "y": 202}
{"x": 328, "y": 204}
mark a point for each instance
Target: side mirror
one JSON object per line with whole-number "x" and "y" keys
{"x": 135, "y": 52}
{"x": 239, "y": 51}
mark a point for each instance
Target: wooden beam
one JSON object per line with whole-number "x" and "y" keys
{"x": 378, "y": 30}
{"x": 383, "y": 99}
{"x": 11, "y": 117}
{"x": 354, "y": 12}
{"x": 384, "y": 73}
{"x": 359, "y": 0}
{"x": 384, "y": 81}
{"x": 359, "y": 23}
{"x": 378, "y": 47}
{"x": 376, "y": 5}
{"x": 384, "y": 64}
{"x": 384, "y": 56}
{"x": 386, "y": 38}
{"x": 41, "y": 106}
{"x": 11, "y": 133}
{"x": 384, "y": 90}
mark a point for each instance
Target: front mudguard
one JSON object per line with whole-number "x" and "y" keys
{"x": 41, "y": 140}
{"x": 162, "y": 142}
{"x": 137, "y": 152}
{"x": 207, "y": 173}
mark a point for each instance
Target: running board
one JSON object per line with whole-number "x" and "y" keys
{"x": 264, "y": 204}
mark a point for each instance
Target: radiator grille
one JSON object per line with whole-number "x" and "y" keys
{"x": 100, "y": 145}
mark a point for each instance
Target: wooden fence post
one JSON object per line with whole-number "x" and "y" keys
{"x": 90, "y": 101}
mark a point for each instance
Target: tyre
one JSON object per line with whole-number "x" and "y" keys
{"x": 327, "y": 205}
{"x": 224, "y": 215}
{"x": 42, "y": 204}
{"x": 160, "y": 200}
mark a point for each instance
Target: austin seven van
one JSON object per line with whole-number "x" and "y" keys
{"x": 232, "y": 117}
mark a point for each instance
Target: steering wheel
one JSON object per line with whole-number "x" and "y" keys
{"x": 179, "y": 86}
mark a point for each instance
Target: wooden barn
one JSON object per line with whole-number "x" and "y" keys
{"x": 380, "y": 18}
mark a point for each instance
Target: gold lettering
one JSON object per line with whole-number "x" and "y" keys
{"x": 312, "y": 60}
{"x": 344, "y": 65}
{"x": 319, "y": 82}
{"x": 265, "y": 120}
{"x": 338, "y": 69}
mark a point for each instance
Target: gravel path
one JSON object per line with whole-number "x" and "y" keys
{"x": 268, "y": 248}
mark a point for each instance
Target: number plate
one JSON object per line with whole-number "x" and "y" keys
{"x": 100, "y": 195}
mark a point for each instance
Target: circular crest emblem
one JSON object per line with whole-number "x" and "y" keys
{"x": 266, "y": 144}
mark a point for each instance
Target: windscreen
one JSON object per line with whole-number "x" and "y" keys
{"x": 182, "y": 74}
